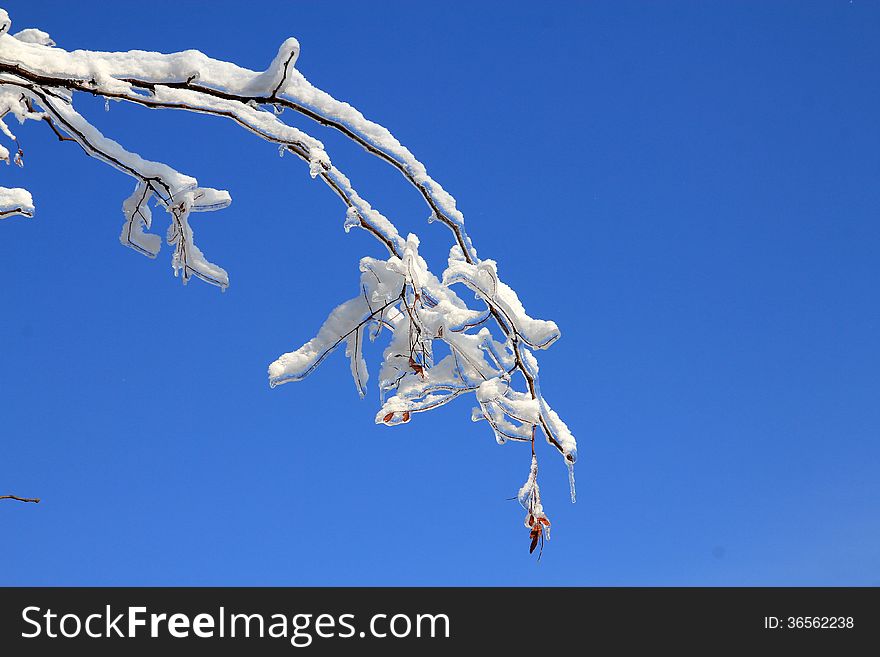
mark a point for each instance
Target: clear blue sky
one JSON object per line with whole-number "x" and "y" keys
{"x": 700, "y": 183}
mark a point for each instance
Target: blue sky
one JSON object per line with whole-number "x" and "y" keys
{"x": 690, "y": 190}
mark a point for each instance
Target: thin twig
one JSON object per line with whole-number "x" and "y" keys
{"x": 35, "y": 500}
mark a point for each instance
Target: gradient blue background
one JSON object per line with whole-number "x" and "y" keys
{"x": 689, "y": 189}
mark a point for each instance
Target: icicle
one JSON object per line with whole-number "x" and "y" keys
{"x": 106, "y": 104}
{"x": 352, "y": 219}
{"x": 281, "y": 150}
{"x": 571, "y": 481}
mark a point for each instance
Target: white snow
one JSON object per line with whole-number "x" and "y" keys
{"x": 15, "y": 201}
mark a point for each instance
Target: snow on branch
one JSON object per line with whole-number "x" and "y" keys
{"x": 15, "y": 201}
{"x": 439, "y": 347}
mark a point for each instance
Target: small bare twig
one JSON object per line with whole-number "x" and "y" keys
{"x": 35, "y": 500}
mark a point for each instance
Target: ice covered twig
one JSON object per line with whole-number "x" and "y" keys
{"x": 536, "y": 520}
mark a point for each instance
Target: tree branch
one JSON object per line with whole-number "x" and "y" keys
{"x": 35, "y": 500}
{"x": 190, "y": 81}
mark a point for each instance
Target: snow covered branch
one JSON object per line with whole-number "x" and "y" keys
{"x": 439, "y": 348}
